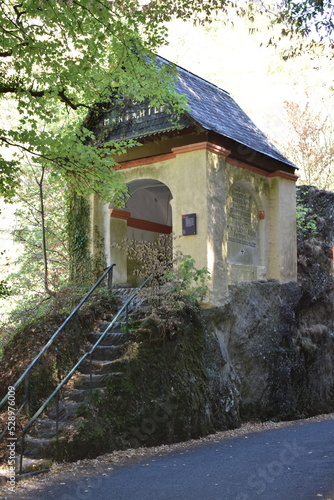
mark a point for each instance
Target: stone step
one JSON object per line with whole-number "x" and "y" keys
{"x": 81, "y": 395}
{"x": 68, "y": 410}
{"x": 111, "y": 338}
{"x": 46, "y": 428}
{"x": 98, "y": 367}
{"x": 85, "y": 381}
{"x": 124, "y": 293}
{"x": 35, "y": 447}
{"x": 117, "y": 327}
{"x": 75, "y": 396}
{"x": 107, "y": 352}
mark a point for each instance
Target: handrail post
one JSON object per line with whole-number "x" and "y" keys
{"x": 21, "y": 453}
{"x": 110, "y": 277}
{"x": 91, "y": 375}
{"x": 57, "y": 415}
{"x": 27, "y": 393}
{"x": 127, "y": 323}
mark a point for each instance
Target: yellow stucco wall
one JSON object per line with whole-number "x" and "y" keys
{"x": 185, "y": 176}
{"x": 201, "y": 182}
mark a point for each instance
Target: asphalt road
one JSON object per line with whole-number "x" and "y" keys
{"x": 291, "y": 463}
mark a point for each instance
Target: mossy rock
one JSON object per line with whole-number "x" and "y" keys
{"x": 160, "y": 394}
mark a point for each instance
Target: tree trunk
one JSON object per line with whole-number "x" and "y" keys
{"x": 44, "y": 251}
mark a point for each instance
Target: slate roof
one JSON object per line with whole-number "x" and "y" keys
{"x": 214, "y": 109}
{"x": 208, "y": 106}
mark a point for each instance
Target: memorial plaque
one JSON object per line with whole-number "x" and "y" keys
{"x": 189, "y": 224}
{"x": 242, "y": 228}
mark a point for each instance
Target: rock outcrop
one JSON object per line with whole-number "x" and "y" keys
{"x": 277, "y": 341}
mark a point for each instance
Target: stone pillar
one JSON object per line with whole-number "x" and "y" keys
{"x": 118, "y": 235}
{"x": 283, "y": 239}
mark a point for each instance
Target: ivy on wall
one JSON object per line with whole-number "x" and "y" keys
{"x": 83, "y": 266}
{"x": 78, "y": 236}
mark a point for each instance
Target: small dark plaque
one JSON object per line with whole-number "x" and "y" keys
{"x": 189, "y": 224}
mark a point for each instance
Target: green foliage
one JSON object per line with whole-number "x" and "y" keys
{"x": 8, "y": 178}
{"x": 149, "y": 257}
{"x": 62, "y": 59}
{"x": 4, "y": 289}
{"x": 83, "y": 266}
{"x": 174, "y": 276}
{"x": 306, "y": 222}
{"x": 308, "y": 17}
{"x": 38, "y": 186}
{"x": 78, "y": 227}
{"x": 189, "y": 283}
{"x": 56, "y": 252}
{"x": 308, "y": 25}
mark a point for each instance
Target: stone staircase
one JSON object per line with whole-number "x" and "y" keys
{"x": 39, "y": 441}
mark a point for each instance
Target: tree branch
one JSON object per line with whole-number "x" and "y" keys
{"x": 63, "y": 97}
{"x": 24, "y": 148}
{"x": 13, "y": 89}
{"x": 9, "y": 53}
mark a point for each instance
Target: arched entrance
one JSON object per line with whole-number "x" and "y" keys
{"x": 149, "y": 204}
{"x": 146, "y": 223}
{"x": 149, "y": 228}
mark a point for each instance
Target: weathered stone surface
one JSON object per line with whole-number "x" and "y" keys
{"x": 277, "y": 341}
{"x": 277, "y": 366}
{"x": 249, "y": 330}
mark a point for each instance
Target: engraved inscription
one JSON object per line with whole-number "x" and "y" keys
{"x": 242, "y": 227}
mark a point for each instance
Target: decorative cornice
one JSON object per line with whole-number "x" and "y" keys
{"x": 197, "y": 146}
{"x": 144, "y": 161}
{"x": 214, "y": 148}
{"x": 208, "y": 146}
{"x": 245, "y": 166}
{"x": 284, "y": 175}
{"x": 258, "y": 171}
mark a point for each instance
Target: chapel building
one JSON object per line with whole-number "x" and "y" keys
{"x": 212, "y": 180}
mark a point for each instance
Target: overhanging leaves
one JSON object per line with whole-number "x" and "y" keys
{"x": 60, "y": 58}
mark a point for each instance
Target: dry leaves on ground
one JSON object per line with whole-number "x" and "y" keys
{"x": 101, "y": 465}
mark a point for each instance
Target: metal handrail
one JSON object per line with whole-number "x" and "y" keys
{"x": 70, "y": 373}
{"x": 74, "y": 368}
{"x": 27, "y": 371}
